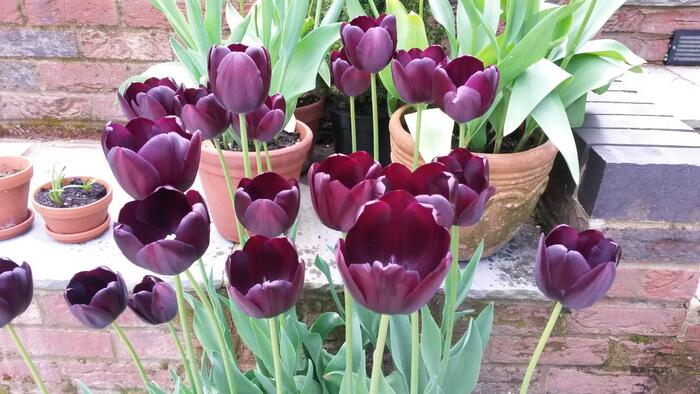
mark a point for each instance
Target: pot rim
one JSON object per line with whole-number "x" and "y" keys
{"x": 321, "y": 100}
{"x": 18, "y": 178}
{"x": 43, "y": 209}
{"x": 301, "y": 128}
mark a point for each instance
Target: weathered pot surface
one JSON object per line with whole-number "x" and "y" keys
{"x": 519, "y": 178}
{"x": 311, "y": 114}
{"x": 15, "y": 217}
{"x": 286, "y": 161}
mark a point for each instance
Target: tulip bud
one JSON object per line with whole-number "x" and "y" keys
{"x": 350, "y": 80}
{"x": 202, "y": 112}
{"x": 413, "y": 73}
{"x": 267, "y": 204}
{"x": 154, "y": 301}
{"x": 369, "y": 43}
{"x": 96, "y": 298}
{"x": 16, "y": 290}
{"x": 266, "y": 122}
{"x": 463, "y": 89}
{"x": 239, "y": 76}
{"x": 152, "y": 99}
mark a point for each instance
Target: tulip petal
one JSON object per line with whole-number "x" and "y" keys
{"x": 603, "y": 252}
{"x": 429, "y": 285}
{"x": 239, "y": 84}
{"x": 353, "y": 81}
{"x": 265, "y": 217}
{"x": 471, "y": 214}
{"x": 269, "y": 125}
{"x": 385, "y": 288}
{"x": 374, "y": 50}
{"x": 568, "y": 271}
{"x": 194, "y": 230}
{"x": 135, "y": 174}
{"x": 166, "y": 257}
{"x": 591, "y": 287}
{"x": 90, "y": 316}
{"x": 563, "y": 235}
{"x": 443, "y": 211}
{"x": 542, "y": 273}
{"x": 462, "y": 105}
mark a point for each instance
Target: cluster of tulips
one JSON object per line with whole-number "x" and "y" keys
{"x": 399, "y": 227}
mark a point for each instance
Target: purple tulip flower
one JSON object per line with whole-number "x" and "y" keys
{"x": 239, "y": 76}
{"x": 200, "y": 111}
{"x": 350, "y": 80}
{"x": 266, "y": 121}
{"x": 576, "y": 269}
{"x": 165, "y": 232}
{"x": 341, "y": 185}
{"x": 16, "y": 290}
{"x": 154, "y": 301}
{"x": 267, "y": 204}
{"x": 396, "y": 256}
{"x": 266, "y": 278}
{"x": 369, "y": 43}
{"x": 473, "y": 190}
{"x": 96, "y": 298}
{"x": 414, "y": 72}
{"x": 145, "y": 155}
{"x": 463, "y": 89}
{"x": 152, "y": 99}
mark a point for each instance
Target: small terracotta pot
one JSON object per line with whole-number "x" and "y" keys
{"x": 311, "y": 114}
{"x": 79, "y": 224}
{"x": 520, "y": 179}
{"x": 286, "y": 161}
{"x": 15, "y": 217}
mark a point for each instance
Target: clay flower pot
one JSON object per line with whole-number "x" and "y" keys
{"x": 520, "y": 179}
{"x": 76, "y": 224}
{"x": 15, "y": 217}
{"x": 286, "y": 161}
{"x": 311, "y": 114}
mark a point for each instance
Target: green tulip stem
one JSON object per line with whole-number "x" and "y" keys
{"x": 463, "y": 141}
{"x": 317, "y": 16}
{"x": 378, "y": 356}
{"x": 374, "y": 9}
{"x": 540, "y": 346}
{"x": 214, "y": 322}
{"x": 451, "y": 299}
{"x": 258, "y": 158}
{"x": 267, "y": 157}
{"x": 132, "y": 353}
{"x": 353, "y": 124}
{"x": 181, "y": 352}
{"x": 415, "y": 352}
{"x": 577, "y": 38}
{"x": 274, "y": 339}
{"x": 348, "y": 342}
{"x": 420, "y": 9}
{"x": 27, "y": 359}
{"x": 231, "y": 190}
{"x": 182, "y": 311}
{"x": 416, "y": 145}
{"x": 375, "y": 117}
{"x": 244, "y": 145}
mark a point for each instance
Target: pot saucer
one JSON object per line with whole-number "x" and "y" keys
{"x": 19, "y": 228}
{"x": 78, "y": 238}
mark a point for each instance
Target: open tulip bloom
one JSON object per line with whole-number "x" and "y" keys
{"x": 153, "y": 301}
{"x": 267, "y": 204}
{"x": 152, "y": 99}
{"x": 97, "y": 297}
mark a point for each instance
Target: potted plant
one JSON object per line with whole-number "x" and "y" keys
{"x": 74, "y": 208}
{"x": 15, "y": 217}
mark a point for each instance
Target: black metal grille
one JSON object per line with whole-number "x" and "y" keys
{"x": 684, "y": 49}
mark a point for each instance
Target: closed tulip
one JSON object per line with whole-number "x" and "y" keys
{"x": 463, "y": 89}
{"x": 473, "y": 189}
{"x": 369, "y": 43}
{"x": 202, "y": 112}
{"x": 266, "y": 121}
{"x": 396, "y": 256}
{"x": 16, "y": 290}
{"x": 145, "y": 155}
{"x": 96, "y": 298}
{"x": 239, "y": 76}
{"x": 266, "y": 277}
{"x": 267, "y": 204}
{"x": 413, "y": 72}
{"x": 341, "y": 185}
{"x": 576, "y": 269}
{"x": 350, "y": 80}
{"x": 153, "y": 301}
{"x": 165, "y": 232}
{"x": 152, "y": 99}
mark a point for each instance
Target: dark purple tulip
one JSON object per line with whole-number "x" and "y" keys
{"x": 96, "y": 298}
{"x": 267, "y": 204}
{"x": 396, "y": 256}
{"x": 370, "y": 43}
{"x": 429, "y": 183}
{"x": 350, "y": 80}
{"x": 463, "y": 89}
{"x": 165, "y": 232}
{"x": 266, "y": 278}
{"x": 16, "y": 290}
{"x": 341, "y": 185}
{"x": 576, "y": 269}
{"x": 153, "y": 301}
{"x": 145, "y": 155}
{"x": 473, "y": 190}
{"x": 414, "y": 71}
{"x": 201, "y": 111}
{"x": 264, "y": 123}
{"x": 152, "y": 99}
{"x": 239, "y": 76}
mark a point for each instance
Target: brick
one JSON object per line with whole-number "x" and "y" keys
{"x": 85, "y": 77}
{"x": 9, "y": 12}
{"x": 116, "y": 375}
{"x": 37, "y": 43}
{"x": 526, "y": 318}
{"x": 668, "y": 19}
{"x": 140, "y": 13}
{"x": 142, "y": 45}
{"x": 14, "y": 371}
{"x": 626, "y": 19}
{"x": 18, "y": 76}
{"x": 31, "y": 316}
{"x": 60, "y": 342}
{"x": 498, "y": 378}
{"x": 105, "y": 108}
{"x": 571, "y": 381}
{"x": 558, "y": 351}
{"x": 152, "y": 343}
{"x": 62, "y": 12}
{"x": 651, "y": 47}
{"x": 626, "y": 321}
{"x": 43, "y": 106}
{"x": 675, "y": 244}
{"x": 693, "y": 332}
{"x": 644, "y": 352}
{"x": 651, "y": 284}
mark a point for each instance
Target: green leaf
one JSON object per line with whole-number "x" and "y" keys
{"x": 590, "y": 72}
{"x": 612, "y": 49}
{"x": 436, "y": 133}
{"x": 205, "y": 332}
{"x": 237, "y": 24}
{"x": 196, "y": 22}
{"x": 293, "y": 22}
{"x": 400, "y": 345}
{"x": 484, "y": 322}
{"x": 397, "y": 383}
{"x": 83, "y": 388}
{"x": 467, "y": 275}
{"x": 482, "y": 32}
{"x": 444, "y": 15}
{"x": 212, "y": 20}
{"x": 325, "y": 323}
{"x": 322, "y": 266}
{"x": 177, "y": 20}
{"x": 310, "y": 385}
{"x": 325, "y": 73}
{"x": 410, "y": 31}
{"x": 188, "y": 61}
{"x": 603, "y": 11}
{"x": 576, "y": 112}
{"x": 431, "y": 343}
{"x": 551, "y": 116}
{"x": 354, "y": 9}
{"x": 529, "y": 88}
{"x": 465, "y": 361}
{"x": 369, "y": 321}
{"x": 333, "y": 12}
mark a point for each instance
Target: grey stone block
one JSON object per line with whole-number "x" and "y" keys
{"x": 18, "y": 76}
{"x": 37, "y": 43}
{"x": 634, "y": 122}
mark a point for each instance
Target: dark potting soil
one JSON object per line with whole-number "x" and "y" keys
{"x": 283, "y": 140}
{"x": 73, "y": 196}
{"x": 307, "y": 100}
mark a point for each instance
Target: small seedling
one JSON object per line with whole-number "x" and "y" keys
{"x": 88, "y": 184}
{"x": 56, "y": 192}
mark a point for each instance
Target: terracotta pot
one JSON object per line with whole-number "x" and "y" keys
{"x": 78, "y": 224}
{"x": 520, "y": 179}
{"x": 311, "y": 114}
{"x": 286, "y": 162}
{"x": 15, "y": 217}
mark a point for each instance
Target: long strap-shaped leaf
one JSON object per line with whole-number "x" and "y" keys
{"x": 177, "y": 20}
